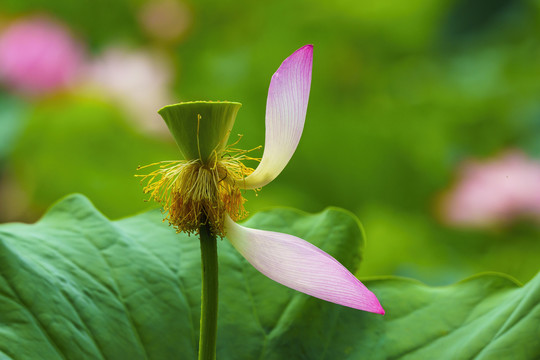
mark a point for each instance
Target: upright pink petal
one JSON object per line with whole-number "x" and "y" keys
{"x": 286, "y": 108}
{"x": 302, "y": 266}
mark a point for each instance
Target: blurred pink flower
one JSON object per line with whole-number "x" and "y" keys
{"x": 166, "y": 20}
{"x": 38, "y": 55}
{"x": 494, "y": 192}
{"x": 139, "y": 81}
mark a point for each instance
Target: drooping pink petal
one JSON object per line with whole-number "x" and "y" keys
{"x": 302, "y": 266}
{"x": 286, "y": 108}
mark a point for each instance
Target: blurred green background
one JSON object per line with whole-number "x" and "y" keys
{"x": 402, "y": 94}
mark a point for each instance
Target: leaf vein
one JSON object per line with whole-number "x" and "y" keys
{"x": 121, "y": 298}
{"x": 180, "y": 282}
{"x": 34, "y": 316}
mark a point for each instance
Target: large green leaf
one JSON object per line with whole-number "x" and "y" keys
{"x": 78, "y": 286}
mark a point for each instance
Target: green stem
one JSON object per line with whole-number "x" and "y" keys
{"x": 209, "y": 295}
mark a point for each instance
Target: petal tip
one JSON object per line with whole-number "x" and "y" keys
{"x": 306, "y": 51}
{"x": 308, "y": 47}
{"x": 376, "y": 307}
{"x": 369, "y": 303}
{"x": 302, "y": 55}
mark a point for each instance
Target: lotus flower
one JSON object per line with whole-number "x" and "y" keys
{"x": 165, "y": 20}
{"x": 38, "y": 56}
{"x": 138, "y": 80}
{"x": 494, "y": 192}
{"x": 284, "y": 258}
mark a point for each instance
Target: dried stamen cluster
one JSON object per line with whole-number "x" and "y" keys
{"x": 194, "y": 194}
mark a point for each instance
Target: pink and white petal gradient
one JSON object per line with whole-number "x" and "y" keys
{"x": 301, "y": 266}
{"x": 38, "y": 56}
{"x": 286, "y": 109}
{"x": 494, "y": 192}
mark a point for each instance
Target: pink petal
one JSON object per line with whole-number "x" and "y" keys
{"x": 302, "y": 266}
{"x": 286, "y": 108}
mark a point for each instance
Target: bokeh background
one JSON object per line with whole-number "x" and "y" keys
{"x": 423, "y": 118}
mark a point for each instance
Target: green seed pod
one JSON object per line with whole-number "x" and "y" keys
{"x": 201, "y": 128}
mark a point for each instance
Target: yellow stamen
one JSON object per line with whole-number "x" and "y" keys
{"x": 194, "y": 194}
